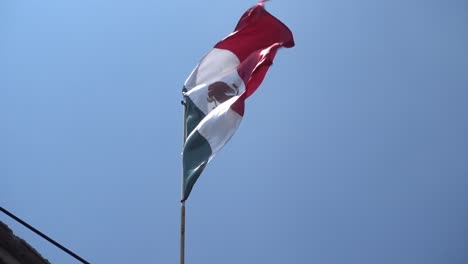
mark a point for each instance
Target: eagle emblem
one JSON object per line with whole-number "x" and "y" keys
{"x": 220, "y": 92}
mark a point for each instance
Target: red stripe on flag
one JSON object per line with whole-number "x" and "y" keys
{"x": 255, "y": 40}
{"x": 257, "y": 29}
{"x": 253, "y": 71}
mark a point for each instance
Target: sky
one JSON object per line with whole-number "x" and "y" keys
{"x": 353, "y": 150}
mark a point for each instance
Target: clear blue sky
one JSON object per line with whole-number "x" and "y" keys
{"x": 353, "y": 150}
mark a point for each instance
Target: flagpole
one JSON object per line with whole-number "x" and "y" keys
{"x": 182, "y": 204}
{"x": 182, "y": 233}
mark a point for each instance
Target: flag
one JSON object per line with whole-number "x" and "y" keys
{"x": 216, "y": 90}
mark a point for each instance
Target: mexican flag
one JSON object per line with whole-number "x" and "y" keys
{"x": 216, "y": 90}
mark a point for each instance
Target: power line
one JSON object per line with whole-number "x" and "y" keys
{"x": 69, "y": 252}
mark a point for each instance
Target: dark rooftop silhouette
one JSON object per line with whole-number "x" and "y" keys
{"x": 14, "y": 250}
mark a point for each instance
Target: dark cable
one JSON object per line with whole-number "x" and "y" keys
{"x": 43, "y": 236}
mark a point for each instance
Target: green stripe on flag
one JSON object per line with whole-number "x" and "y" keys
{"x": 193, "y": 115}
{"x": 197, "y": 151}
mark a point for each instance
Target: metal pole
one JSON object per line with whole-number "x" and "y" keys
{"x": 182, "y": 233}
{"x": 182, "y": 205}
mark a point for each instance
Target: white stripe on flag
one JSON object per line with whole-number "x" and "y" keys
{"x": 219, "y": 126}
{"x": 216, "y": 63}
